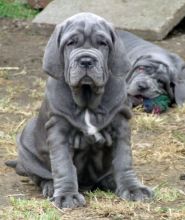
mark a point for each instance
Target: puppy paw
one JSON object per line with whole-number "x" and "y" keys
{"x": 69, "y": 200}
{"x": 140, "y": 193}
{"x": 47, "y": 188}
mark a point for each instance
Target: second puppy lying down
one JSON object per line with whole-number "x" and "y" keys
{"x": 155, "y": 71}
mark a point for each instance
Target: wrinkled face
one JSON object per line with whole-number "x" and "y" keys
{"x": 86, "y": 49}
{"x": 147, "y": 82}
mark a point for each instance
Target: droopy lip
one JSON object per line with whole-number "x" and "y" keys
{"x": 86, "y": 81}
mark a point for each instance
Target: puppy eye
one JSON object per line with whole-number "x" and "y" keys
{"x": 149, "y": 69}
{"x": 102, "y": 43}
{"x": 72, "y": 42}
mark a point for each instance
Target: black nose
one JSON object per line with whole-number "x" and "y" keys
{"x": 86, "y": 62}
{"x": 142, "y": 86}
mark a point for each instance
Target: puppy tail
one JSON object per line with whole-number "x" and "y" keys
{"x": 11, "y": 163}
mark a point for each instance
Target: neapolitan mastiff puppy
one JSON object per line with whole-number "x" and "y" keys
{"x": 81, "y": 137}
{"x": 154, "y": 71}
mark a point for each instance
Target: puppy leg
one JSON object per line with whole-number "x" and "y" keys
{"x": 128, "y": 185}
{"x": 64, "y": 174}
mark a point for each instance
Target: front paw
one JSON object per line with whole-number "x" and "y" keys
{"x": 140, "y": 193}
{"x": 69, "y": 200}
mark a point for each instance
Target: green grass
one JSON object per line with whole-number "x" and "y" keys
{"x": 102, "y": 205}
{"x": 165, "y": 193}
{"x": 179, "y": 135}
{"x": 30, "y": 209}
{"x": 13, "y": 9}
{"x": 99, "y": 195}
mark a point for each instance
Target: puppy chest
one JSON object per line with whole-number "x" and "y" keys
{"x": 91, "y": 163}
{"x": 92, "y": 152}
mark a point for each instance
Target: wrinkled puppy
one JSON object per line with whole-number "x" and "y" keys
{"x": 81, "y": 137}
{"x": 154, "y": 71}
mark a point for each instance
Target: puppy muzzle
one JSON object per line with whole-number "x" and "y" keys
{"x": 87, "y": 67}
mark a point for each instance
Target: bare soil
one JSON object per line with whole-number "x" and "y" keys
{"x": 21, "y": 48}
{"x": 159, "y": 152}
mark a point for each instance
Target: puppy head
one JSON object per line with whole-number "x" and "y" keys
{"x": 148, "y": 79}
{"x": 84, "y": 51}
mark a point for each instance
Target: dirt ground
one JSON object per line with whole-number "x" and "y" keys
{"x": 158, "y": 143}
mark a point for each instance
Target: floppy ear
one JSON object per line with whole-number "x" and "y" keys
{"x": 178, "y": 79}
{"x": 118, "y": 60}
{"x": 163, "y": 74}
{"x": 53, "y": 61}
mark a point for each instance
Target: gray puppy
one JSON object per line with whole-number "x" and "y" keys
{"x": 81, "y": 137}
{"x": 154, "y": 71}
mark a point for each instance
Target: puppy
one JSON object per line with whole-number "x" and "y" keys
{"x": 81, "y": 137}
{"x": 154, "y": 71}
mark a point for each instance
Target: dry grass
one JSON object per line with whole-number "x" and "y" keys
{"x": 102, "y": 205}
{"x": 36, "y": 209}
{"x": 147, "y": 122}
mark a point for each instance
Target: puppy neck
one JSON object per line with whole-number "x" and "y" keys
{"x": 87, "y": 97}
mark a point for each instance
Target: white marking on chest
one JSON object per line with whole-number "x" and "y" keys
{"x": 91, "y": 129}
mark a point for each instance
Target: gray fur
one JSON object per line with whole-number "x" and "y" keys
{"x": 163, "y": 72}
{"x": 81, "y": 141}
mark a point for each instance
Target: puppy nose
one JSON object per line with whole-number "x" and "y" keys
{"x": 142, "y": 86}
{"x": 86, "y": 62}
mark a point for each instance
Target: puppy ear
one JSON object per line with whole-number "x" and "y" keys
{"x": 163, "y": 74}
{"x": 178, "y": 79}
{"x": 53, "y": 61}
{"x": 118, "y": 60}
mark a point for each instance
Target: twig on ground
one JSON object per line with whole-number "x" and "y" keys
{"x": 9, "y": 68}
{"x": 60, "y": 210}
{"x": 14, "y": 195}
